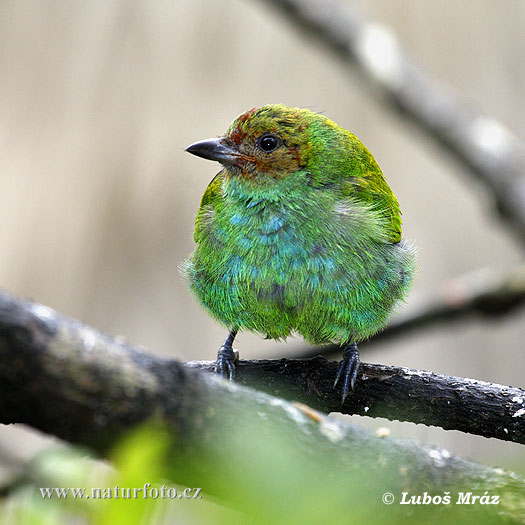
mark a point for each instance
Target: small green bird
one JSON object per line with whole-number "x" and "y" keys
{"x": 299, "y": 232}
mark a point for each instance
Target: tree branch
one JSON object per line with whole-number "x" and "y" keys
{"x": 452, "y": 403}
{"x": 484, "y": 293}
{"x": 476, "y": 407}
{"x": 481, "y": 144}
{"x": 70, "y": 380}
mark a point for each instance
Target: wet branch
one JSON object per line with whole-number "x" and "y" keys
{"x": 49, "y": 361}
{"x": 67, "y": 379}
{"x": 395, "y": 393}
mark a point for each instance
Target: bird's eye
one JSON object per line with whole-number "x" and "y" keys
{"x": 268, "y": 143}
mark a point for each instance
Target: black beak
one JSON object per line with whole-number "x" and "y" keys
{"x": 215, "y": 149}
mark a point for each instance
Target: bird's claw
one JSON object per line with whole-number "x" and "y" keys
{"x": 348, "y": 368}
{"x": 225, "y": 364}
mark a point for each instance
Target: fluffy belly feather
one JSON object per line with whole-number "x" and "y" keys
{"x": 274, "y": 278}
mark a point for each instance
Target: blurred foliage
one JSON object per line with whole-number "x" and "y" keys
{"x": 145, "y": 457}
{"x": 139, "y": 461}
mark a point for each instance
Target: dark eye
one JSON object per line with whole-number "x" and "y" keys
{"x": 268, "y": 143}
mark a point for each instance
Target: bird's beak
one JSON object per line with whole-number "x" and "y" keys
{"x": 215, "y": 149}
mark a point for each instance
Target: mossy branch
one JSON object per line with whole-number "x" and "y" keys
{"x": 34, "y": 338}
{"x": 67, "y": 379}
{"x": 91, "y": 366}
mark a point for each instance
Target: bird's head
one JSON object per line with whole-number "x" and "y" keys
{"x": 263, "y": 145}
{"x": 276, "y": 150}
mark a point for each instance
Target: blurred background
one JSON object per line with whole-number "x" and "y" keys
{"x": 98, "y": 198}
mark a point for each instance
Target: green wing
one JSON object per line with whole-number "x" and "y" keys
{"x": 340, "y": 159}
{"x": 367, "y": 184}
{"x": 211, "y": 197}
{"x": 371, "y": 189}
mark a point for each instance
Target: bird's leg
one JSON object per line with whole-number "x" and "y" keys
{"x": 348, "y": 368}
{"x": 226, "y": 357}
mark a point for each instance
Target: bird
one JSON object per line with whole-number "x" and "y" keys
{"x": 299, "y": 233}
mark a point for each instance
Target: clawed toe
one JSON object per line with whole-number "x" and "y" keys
{"x": 347, "y": 370}
{"x": 226, "y": 357}
{"x": 225, "y": 364}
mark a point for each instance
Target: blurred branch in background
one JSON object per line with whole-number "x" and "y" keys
{"x": 480, "y": 143}
{"x": 49, "y": 362}
{"x": 67, "y": 379}
{"x": 485, "y": 293}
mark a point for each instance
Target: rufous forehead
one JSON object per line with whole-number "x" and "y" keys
{"x": 239, "y": 133}
{"x": 246, "y": 116}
